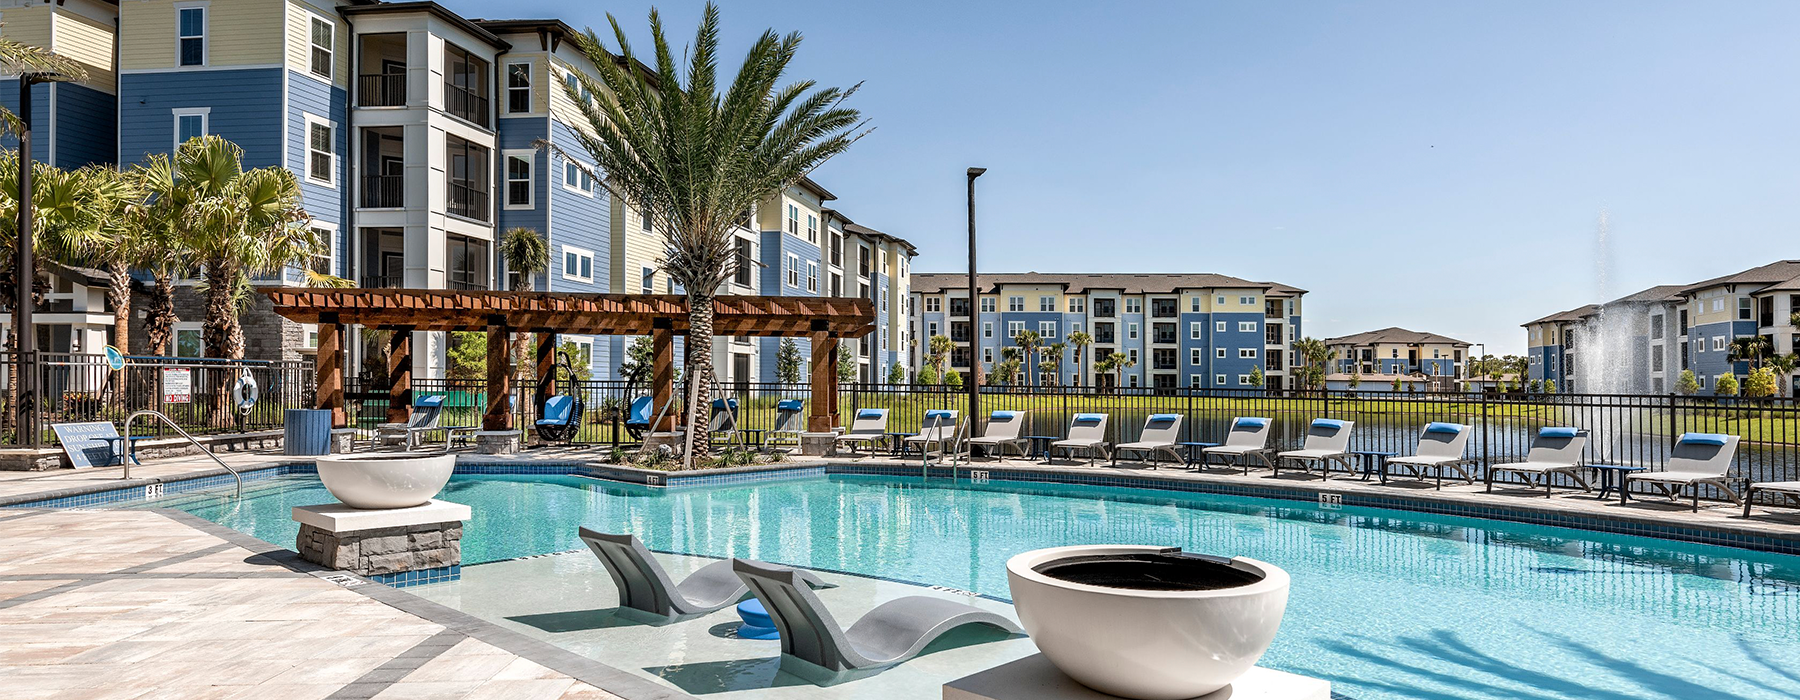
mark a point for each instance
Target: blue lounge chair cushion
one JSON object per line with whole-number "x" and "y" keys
{"x": 1331, "y": 423}
{"x": 1558, "y": 432}
{"x": 1004, "y": 415}
{"x": 1250, "y": 423}
{"x": 939, "y": 414}
{"x": 558, "y": 410}
{"x": 788, "y": 405}
{"x": 1705, "y": 439}
{"x": 723, "y": 403}
{"x": 640, "y": 411}
{"x": 429, "y": 401}
{"x": 1450, "y": 428}
{"x": 1089, "y": 417}
{"x": 870, "y": 413}
{"x": 1165, "y": 417}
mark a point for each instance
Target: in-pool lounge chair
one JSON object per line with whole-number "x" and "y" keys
{"x": 789, "y": 422}
{"x": 1161, "y": 433}
{"x": 1698, "y": 459}
{"x": 1003, "y": 428}
{"x": 939, "y": 428}
{"x": 644, "y": 585}
{"x": 1441, "y": 447}
{"x": 1555, "y": 450}
{"x": 1248, "y": 437}
{"x": 1327, "y": 443}
{"x": 1087, "y": 433}
{"x": 869, "y": 428}
{"x": 893, "y": 632}
{"x": 427, "y": 411}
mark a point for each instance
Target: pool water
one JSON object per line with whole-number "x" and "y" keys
{"x": 1385, "y": 604}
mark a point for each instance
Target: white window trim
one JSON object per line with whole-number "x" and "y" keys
{"x": 1246, "y": 353}
{"x": 987, "y": 329}
{"x": 1246, "y": 326}
{"x": 579, "y": 253}
{"x": 331, "y": 69}
{"x": 1219, "y": 379}
{"x": 1194, "y": 331}
{"x": 529, "y": 155}
{"x": 812, "y": 276}
{"x": 1219, "y": 353}
{"x": 331, "y": 250}
{"x": 1243, "y": 380}
{"x": 650, "y": 273}
{"x": 793, "y": 271}
{"x": 1131, "y": 331}
{"x": 311, "y": 120}
{"x": 175, "y": 336}
{"x": 1047, "y": 330}
{"x": 530, "y": 86}
{"x": 1219, "y": 326}
{"x": 205, "y": 9}
{"x": 1195, "y": 357}
{"x": 175, "y": 115}
{"x": 573, "y": 185}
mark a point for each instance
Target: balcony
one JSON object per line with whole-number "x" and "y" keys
{"x": 1164, "y": 334}
{"x": 468, "y": 200}
{"x": 383, "y": 191}
{"x": 1273, "y": 308}
{"x": 1164, "y": 308}
{"x": 465, "y": 85}
{"x": 466, "y": 104}
{"x": 381, "y": 90}
{"x": 384, "y": 281}
{"x": 381, "y": 70}
{"x": 466, "y": 188}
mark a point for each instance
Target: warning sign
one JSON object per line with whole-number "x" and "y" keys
{"x": 178, "y": 385}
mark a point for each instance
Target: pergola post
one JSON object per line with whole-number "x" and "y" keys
{"x": 330, "y": 369}
{"x": 822, "y": 417}
{"x": 662, "y": 374}
{"x": 546, "y": 367}
{"x": 499, "y": 377}
{"x": 399, "y": 366}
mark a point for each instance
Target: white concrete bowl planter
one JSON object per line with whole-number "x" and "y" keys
{"x": 1150, "y": 623}
{"x": 401, "y": 480}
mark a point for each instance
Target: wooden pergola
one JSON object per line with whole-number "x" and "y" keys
{"x": 822, "y": 320}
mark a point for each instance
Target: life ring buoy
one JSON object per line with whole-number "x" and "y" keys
{"x": 245, "y": 392}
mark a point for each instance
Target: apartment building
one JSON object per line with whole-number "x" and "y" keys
{"x": 1642, "y": 342}
{"x": 1176, "y": 330}
{"x": 418, "y": 137}
{"x": 1398, "y": 351}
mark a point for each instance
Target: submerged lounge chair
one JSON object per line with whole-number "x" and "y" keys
{"x": 1087, "y": 432}
{"x": 1441, "y": 447}
{"x": 1555, "y": 450}
{"x": 788, "y": 421}
{"x": 1247, "y": 437}
{"x": 1003, "y": 428}
{"x": 893, "y": 632}
{"x": 644, "y": 585}
{"x": 869, "y": 428}
{"x": 1161, "y": 432}
{"x": 1698, "y": 459}
{"x": 939, "y": 428}
{"x": 1327, "y": 442}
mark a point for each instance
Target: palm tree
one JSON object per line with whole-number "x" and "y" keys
{"x": 1080, "y": 340}
{"x": 1050, "y": 370}
{"x": 1784, "y": 366}
{"x": 1314, "y": 358}
{"x": 1117, "y": 363}
{"x": 156, "y": 219}
{"x": 236, "y": 223}
{"x": 941, "y": 346}
{"x": 121, "y": 244}
{"x": 670, "y": 144}
{"x": 526, "y": 254}
{"x": 17, "y": 58}
{"x": 1028, "y": 342}
{"x": 1750, "y": 348}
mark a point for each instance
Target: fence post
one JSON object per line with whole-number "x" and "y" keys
{"x": 1487, "y": 443}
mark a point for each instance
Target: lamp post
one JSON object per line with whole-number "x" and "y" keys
{"x": 974, "y": 382}
{"x": 25, "y": 269}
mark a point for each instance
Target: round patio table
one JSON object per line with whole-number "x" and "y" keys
{"x": 1374, "y": 462}
{"x": 1613, "y": 476}
{"x": 1193, "y": 450}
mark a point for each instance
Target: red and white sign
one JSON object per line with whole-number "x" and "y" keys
{"x": 178, "y": 385}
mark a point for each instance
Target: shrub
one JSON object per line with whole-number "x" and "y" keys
{"x": 1686, "y": 385}
{"x": 1760, "y": 383}
{"x": 1726, "y": 386}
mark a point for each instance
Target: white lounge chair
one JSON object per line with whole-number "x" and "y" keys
{"x": 1161, "y": 432}
{"x": 1555, "y": 450}
{"x": 1699, "y": 459}
{"x": 1003, "y": 428}
{"x": 1248, "y": 437}
{"x": 1327, "y": 442}
{"x": 1441, "y": 447}
{"x": 427, "y": 411}
{"x": 869, "y": 428}
{"x": 1789, "y": 491}
{"x": 644, "y": 586}
{"x": 1087, "y": 433}
{"x": 790, "y": 421}
{"x": 939, "y": 428}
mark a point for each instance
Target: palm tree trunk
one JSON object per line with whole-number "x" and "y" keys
{"x": 700, "y": 371}
{"x": 159, "y": 326}
{"x": 118, "y": 296}
{"x": 221, "y": 333}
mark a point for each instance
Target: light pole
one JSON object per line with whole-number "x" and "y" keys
{"x": 974, "y": 382}
{"x": 25, "y": 269}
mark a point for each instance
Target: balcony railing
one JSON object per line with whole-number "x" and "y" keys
{"x": 383, "y": 191}
{"x": 381, "y": 90}
{"x": 467, "y": 280}
{"x": 467, "y": 201}
{"x": 383, "y": 281}
{"x": 466, "y": 104}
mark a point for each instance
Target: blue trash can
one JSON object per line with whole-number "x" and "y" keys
{"x": 307, "y": 431}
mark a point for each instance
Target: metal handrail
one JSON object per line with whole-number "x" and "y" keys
{"x": 183, "y": 433}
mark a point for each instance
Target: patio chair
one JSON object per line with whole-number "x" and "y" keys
{"x": 1248, "y": 437}
{"x": 1555, "y": 450}
{"x": 724, "y": 419}
{"x": 1087, "y": 432}
{"x": 1699, "y": 459}
{"x": 1161, "y": 432}
{"x": 789, "y": 421}
{"x": 637, "y": 418}
{"x": 561, "y": 418}
{"x": 644, "y": 585}
{"x": 1003, "y": 428}
{"x": 427, "y": 411}
{"x": 1441, "y": 447}
{"x": 939, "y": 428}
{"x": 893, "y": 632}
{"x": 1327, "y": 443}
{"x": 869, "y": 428}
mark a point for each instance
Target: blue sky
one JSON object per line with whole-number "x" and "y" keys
{"x": 1439, "y": 166}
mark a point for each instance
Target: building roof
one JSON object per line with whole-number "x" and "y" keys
{"x": 1400, "y": 336}
{"x": 866, "y": 232}
{"x": 440, "y": 11}
{"x": 1778, "y": 272}
{"x": 807, "y": 183}
{"x": 1659, "y": 293}
{"x": 1075, "y": 283}
{"x": 1575, "y": 314}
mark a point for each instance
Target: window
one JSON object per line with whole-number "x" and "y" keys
{"x": 188, "y": 339}
{"x": 987, "y": 355}
{"x": 1219, "y": 327}
{"x": 519, "y": 193}
{"x": 812, "y": 228}
{"x": 1219, "y": 379}
{"x": 1047, "y": 330}
{"x": 1134, "y": 306}
{"x": 1219, "y": 353}
{"x": 1132, "y": 355}
{"x": 933, "y": 305}
{"x": 518, "y": 88}
{"x": 322, "y": 32}
{"x": 649, "y": 274}
{"x": 191, "y": 36}
{"x": 1103, "y": 308}
{"x": 931, "y": 329}
{"x": 793, "y": 270}
{"x": 469, "y": 175}
{"x": 1195, "y": 357}
{"x": 577, "y": 178}
{"x": 1194, "y": 330}
{"x": 1244, "y": 380}
{"x": 1046, "y": 303}
{"x": 1246, "y": 326}
{"x": 1194, "y": 379}
{"x": 837, "y": 248}
{"x": 467, "y": 267}
{"x": 1656, "y": 327}
{"x": 1699, "y": 345}
{"x": 1194, "y": 305}
{"x": 1718, "y": 344}
{"x": 1247, "y": 301}
{"x": 644, "y": 221}
{"x": 862, "y": 261}
{"x": 321, "y": 157}
{"x": 1164, "y": 308}
{"x": 1718, "y": 305}
{"x": 987, "y": 305}
{"x": 1221, "y": 302}
{"x": 745, "y": 262}
{"x": 987, "y": 329}
{"x": 1014, "y": 328}
{"x": 1131, "y": 331}
{"x": 578, "y": 264}
{"x": 465, "y": 85}
{"x": 1015, "y": 303}
{"x": 1744, "y": 309}
{"x": 325, "y": 264}
{"x": 793, "y": 220}
{"x": 1077, "y": 305}
{"x": 190, "y": 122}
{"x": 1246, "y": 353}
{"x": 812, "y": 276}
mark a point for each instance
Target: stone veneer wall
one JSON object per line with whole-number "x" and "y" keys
{"x": 383, "y": 550}
{"x": 266, "y": 335}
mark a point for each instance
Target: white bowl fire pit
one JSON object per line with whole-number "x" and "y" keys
{"x": 374, "y": 481}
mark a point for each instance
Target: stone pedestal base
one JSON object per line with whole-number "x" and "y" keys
{"x": 497, "y": 442}
{"x": 674, "y": 439}
{"x": 1036, "y": 678}
{"x": 381, "y": 542}
{"x": 343, "y": 441}
{"x": 818, "y": 444}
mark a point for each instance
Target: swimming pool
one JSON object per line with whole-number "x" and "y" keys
{"x": 1385, "y": 604}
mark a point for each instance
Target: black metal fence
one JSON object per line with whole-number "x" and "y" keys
{"x": 196, "y": 393}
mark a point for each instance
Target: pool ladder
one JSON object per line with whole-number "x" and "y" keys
{"x": 129, "y": 452}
